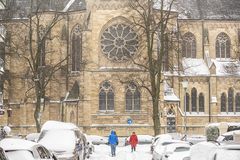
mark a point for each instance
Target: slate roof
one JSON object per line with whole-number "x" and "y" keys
{"x": 209, "y": 9}
{"x": 21, "y": 8}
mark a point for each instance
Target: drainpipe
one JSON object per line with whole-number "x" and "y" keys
{"x": 209, "y": 93}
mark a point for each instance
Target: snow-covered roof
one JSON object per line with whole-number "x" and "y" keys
{"x": 209, "y": 9}
{"x": 169, "y": 94}
{"x": 195, "y": 67}
{"x": 227, "y": 67}
{"x": 16, "y": 144}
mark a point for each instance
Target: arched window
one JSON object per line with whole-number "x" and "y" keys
{"x": 223, "y": 102}
{"x": 230, "y": 99}
{"x": 201, "y": 102}
{"x": 133, "y": 97}
{"x": 106, "y": 96}
{"x": 223, "y": 44}
{"x": 194, "y": 99}
{"x": 187, "y": 102}
{"x": 189, "y": 45}
{"x": 76, "y": 55}
{"x": 237, "y": 102}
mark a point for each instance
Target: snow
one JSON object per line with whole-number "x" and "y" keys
{"x": 143, "y": 139}
{"x": 95, "y": 139}
{"x": 195, "y": 67}
{"x": 54, "y": 125}
{"x": 20, "y": 155}
{"x": 58, "y": 140}
{"x": 16, "y": 144}
{"x": 102, "y": 152}
{"x": 202, "y": 150}
{"x": 226, "y": 67}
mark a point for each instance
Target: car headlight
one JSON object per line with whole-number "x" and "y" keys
{"x": 186, "y": 158}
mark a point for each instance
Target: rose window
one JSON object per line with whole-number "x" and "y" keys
{"x": 119, "y": 42}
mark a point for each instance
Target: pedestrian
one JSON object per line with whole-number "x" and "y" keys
{"x": 133, "y": 141}
{"x": 113, "y": 142}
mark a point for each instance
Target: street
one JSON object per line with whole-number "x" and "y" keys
{"x": 102, "y": 152}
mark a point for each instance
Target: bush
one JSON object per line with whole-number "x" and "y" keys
{"x": 212, "y": 133}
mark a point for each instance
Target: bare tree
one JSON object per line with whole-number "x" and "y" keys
{"x": 155, "y": 21}
{"x": 30, "y": 41}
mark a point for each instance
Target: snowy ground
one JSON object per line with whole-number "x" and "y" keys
{"x": 102, "y": 152}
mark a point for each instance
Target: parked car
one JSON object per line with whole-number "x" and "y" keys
{"x": 97, "y": 140}
{"x": 142, "y": 139}
{"x": 32, "y": 137}
{"x": 177, "y": 151}
{"x": 203, "y": 150}
{"x": 65, "y": 140}
{"x": 231, "y": 152}
{"x": 160, "y": 147}
{"x": 161, "y": 138}
{"x": 228, "y": 136}
{"x": 20, "y": 149}
{"x": 3, "y": 154}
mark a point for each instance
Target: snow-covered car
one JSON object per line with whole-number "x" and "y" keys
{"x": 142, "y": 139}
{"x": 32, "y": 137}
{"x": 2, "y": 154}
{"x": 228, "y": 136}
{"x": 177, "y": 151}
{"x": 65, "y": 140}
{"x": 231, "y": 152}
{"x": 20, "y": 149}
{"x": 203, "y": 150}
{"x": 97, "y": 140}
{"x": 160, "y": 148}
{"x": 159, "y": 138}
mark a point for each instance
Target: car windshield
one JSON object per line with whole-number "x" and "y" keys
{"x": 58, "y": 140}
{"x": 20, "y": 155}
{"x": 181, "y": 149}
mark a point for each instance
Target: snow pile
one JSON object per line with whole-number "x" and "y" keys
{"x": 16, "y": 144}
{"x": 53, "y": 125}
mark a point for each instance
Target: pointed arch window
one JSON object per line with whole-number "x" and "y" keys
{"x": 201, "y": 102}
{"x": 76, "y": 54}
{"x": 189, "y": 45}
{"x": 223, "y": 102}
{"x": 230, "y": 99}
{"x": 237, "y": 102}
{"x": 194, "y": 99}
{"x": 187, "y": 102}
{"x": 133, "y": 97}
{"x": 223, "y": 44}
{"x": 106, "y": 96}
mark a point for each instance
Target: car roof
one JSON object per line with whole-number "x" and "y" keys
{"x": 54, "y": 125}
{"x": 17, "y": 144}
{"x": 231, "y": 133}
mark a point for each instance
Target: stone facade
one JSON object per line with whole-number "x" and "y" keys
{"x": 83, "y": 109}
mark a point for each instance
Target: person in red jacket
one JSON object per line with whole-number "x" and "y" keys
{"x": 133, "y": 141}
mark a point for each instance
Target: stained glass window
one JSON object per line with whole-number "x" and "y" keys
{"x": 132, "y": 97}
{"x": 119, "y": 42}
{"x": 230, "y": 100}
{"x": 201, "y": 102}
{"x": 223, "y": 44}
{"x": 189, "y": 45}
{"x": 237, "y": 102}
{"x": 194, "y": 99}
{"x": 76, "y": 55}
{"x": 106, "y": 96}
{"x": 223, "y": 102}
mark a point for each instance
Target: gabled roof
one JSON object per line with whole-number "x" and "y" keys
{"x": 209, "y": 9}
{"x": 21, "y": 8}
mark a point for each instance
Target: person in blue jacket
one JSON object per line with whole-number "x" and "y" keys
{"x": 113, "y": 142}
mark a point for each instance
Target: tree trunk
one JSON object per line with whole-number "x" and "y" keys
{"x": 37, "y": 114}
{"x": 156, "y": 119}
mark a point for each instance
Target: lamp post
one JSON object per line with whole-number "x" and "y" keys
{"x": 185, "y": 85}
